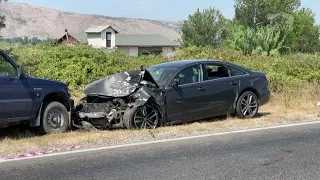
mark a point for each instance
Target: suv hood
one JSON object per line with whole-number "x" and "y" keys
{"x": 38, "y": 81}
{"x": 117, "y": 85}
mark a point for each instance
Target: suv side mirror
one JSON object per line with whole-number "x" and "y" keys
{"x": 175, "y": 83}
{"x": 19, "y": 71}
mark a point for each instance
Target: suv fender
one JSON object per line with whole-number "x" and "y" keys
{"x": 67, "y": 102}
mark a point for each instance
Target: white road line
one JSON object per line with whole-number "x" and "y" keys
{"x": 161, "y": 141}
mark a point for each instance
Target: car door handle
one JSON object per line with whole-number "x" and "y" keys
{"x": 233, "y": 83}
{"x": 201, "y": 89}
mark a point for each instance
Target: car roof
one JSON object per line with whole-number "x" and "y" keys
{"x": 182, "y": 63}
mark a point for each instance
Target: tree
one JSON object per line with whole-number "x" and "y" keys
{"x": 305, "y": 34}
{"x": 296, "y": 25}
{"x": 266, "y": 40}
{"x": 204, "y": 28}
{"x": 257, "y": 12}
{"x": 25, "y": 40}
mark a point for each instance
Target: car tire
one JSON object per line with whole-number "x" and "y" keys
{"x": 130, "y": 120}
{"x": 54, "y": 118}
{"x": 247, "y": 105}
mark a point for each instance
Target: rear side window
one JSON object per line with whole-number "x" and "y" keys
{"x": 215, "y": 71}
{"x": 236, "y": 72}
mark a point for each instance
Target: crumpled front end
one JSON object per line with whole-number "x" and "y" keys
{"x": 108, "y": 99}
{"x": 117, "y": 85}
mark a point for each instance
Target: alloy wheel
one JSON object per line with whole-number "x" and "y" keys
{"x": 146, "y": 117}
{"x": 249, "y": 105}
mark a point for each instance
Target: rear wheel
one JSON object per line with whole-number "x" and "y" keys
{"x": 247, "y": 105}
{"x": 54, "y": 119}
{"x": 142, "y": 117}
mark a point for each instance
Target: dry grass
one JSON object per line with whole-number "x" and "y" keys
{"x": 77, "y": 95}
{"x": 281, "y": 109}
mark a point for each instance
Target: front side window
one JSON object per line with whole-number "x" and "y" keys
{"x": 215, "y": 71}
{"x": 189, "y": 75}
{"x": 162, "y": 74}
{"x": 6, "y": 68}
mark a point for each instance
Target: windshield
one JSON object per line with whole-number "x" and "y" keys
{"x": 162, "y": 74}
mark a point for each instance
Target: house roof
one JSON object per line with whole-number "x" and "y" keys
{"x": 98, "y": 29}
{"x": 80, "y": 37}
{"x": 143, "y": 40}
{"x": 64, "y": 36}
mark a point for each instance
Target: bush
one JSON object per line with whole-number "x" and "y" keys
{"x": 80, "y": 65}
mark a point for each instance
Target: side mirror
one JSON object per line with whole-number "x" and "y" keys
{"x": 175, "y": 83}
{"x": 19, "y": 71}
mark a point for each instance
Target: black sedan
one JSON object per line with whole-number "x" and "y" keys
{"x": 172, "y": 92}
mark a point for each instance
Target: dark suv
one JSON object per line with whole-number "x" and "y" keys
{"x": 43, "y": 104}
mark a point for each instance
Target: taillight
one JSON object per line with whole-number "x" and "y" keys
{"x": 267, "y": 78}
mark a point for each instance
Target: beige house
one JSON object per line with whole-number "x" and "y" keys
{"x": 101, "y": 36}
{"x": 132, "y": 44}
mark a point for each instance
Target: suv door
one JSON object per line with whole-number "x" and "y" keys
{"x": 186, "y": 101}
{"x": 222, "y": 88}
{"x": 15, "y": 100}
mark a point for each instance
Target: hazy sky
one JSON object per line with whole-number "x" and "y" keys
{"x": 151, "y": 9}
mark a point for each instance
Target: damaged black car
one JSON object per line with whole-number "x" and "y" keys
{"x": 171, "y": 93}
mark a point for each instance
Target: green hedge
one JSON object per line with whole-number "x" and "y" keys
{"x": 80, "y": 65}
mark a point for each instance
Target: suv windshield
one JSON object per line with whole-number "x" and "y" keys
{"x": 162, "y": 74}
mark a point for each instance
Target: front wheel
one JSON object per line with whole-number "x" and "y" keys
{"x": 142, "y": 117}
{"x": 247, "y": 105}
{"x": 54, "y": 119}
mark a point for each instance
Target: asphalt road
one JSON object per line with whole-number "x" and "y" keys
{"x": 285, "y": 153}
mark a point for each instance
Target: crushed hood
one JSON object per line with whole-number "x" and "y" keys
{"x": 116, "y": 85}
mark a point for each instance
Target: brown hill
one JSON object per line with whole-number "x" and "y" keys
{"x": 33, "y": 21}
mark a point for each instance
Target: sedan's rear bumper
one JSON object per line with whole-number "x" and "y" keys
{"x": 264, "y": 99}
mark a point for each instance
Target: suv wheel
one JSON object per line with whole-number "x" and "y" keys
{"x": 54, "y": 119}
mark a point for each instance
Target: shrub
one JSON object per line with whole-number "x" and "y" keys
{"x": 80, "y": 65}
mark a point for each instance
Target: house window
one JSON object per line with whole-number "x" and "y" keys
{"x": 108, "y": 39}
{"x": 149, "y": 50}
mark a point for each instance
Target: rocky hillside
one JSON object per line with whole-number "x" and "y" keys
{"x": 34, "y": 21}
